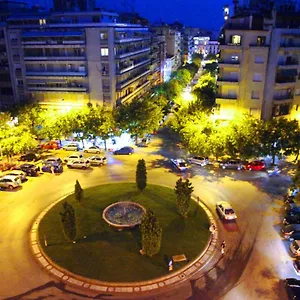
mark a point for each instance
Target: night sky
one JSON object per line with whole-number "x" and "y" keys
{"x": 198, "y": 13}
{"x": 207, "y": 14}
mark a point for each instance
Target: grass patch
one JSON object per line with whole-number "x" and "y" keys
{"x": 101, "y": 252}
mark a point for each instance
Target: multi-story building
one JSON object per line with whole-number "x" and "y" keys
{"x": 259, "y": 64}
{"x": 188, "y": 44}
{"x": 205, "y": 46}
{"x": 71, "y": 58}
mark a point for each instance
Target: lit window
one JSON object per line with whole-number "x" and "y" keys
{"x": 257, "y": 77}
{"x": 259, "y": 59}
{"x": 104, "y": 51}
{"x": 255, "y": 95}
{"x": 234, "y": 58}
{"x": 42, "y": 21}
{"x": 236, "y": 39}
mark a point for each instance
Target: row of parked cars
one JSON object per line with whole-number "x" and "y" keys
{"x": 256, "y": 165}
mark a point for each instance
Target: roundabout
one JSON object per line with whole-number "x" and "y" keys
{"x": 110, "y": 261}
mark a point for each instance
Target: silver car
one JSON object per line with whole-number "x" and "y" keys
{"x": 92, "y": 149}
{"x": 71, "y": 147}
{"x": 97, "y": 160}
{"x": 78, "y": 164}
{"x": 18, "y": 173}
{"x": 199, "y": 160}
{"x": 72, "y": 157}
{"x": 10, "y": 182}
{"x": 231, "y": 164}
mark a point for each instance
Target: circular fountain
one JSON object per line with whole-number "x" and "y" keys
{"x": 124, "y": 214}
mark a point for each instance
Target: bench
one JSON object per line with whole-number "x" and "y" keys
{"x": 179, "y": 258}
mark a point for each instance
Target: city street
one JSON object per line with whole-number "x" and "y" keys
{"x": 255, "y": 260}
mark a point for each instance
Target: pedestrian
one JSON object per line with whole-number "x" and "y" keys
{"x": 52, "y": 170}
{"x": 212, "y": 228}
{"x": 223, "y": 246}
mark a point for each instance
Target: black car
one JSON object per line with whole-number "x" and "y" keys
{"x": 292, "y": 209}
{"x": 29, "y": 169}
{"x": 294, "y": 236}
{"x": 56, "y": 167}
{"x": 29, "y": 157}
{"x": 288, "y": 220}
{"x": 288, "y": 230}
{"x": 292, "y": 282}
{"x": 293, "y": 292}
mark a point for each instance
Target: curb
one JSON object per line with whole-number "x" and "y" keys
{"x": 94, "y": 285}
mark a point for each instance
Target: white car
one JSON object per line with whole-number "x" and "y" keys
{"x": 10, "y": 182}
{"x": 78, "y": 164}
{"x": 295, "y": 248}
{"x": 71, "y": 147}
{"x": 92, "y": 149}
{"x": 199, "y": 160}
{"x": 97, "y": 160}
{"x": 180, "y": 164}
{"x": 72, "y": 157}
{"x": 18, "y": 173}
{"x": 225, "y": 210}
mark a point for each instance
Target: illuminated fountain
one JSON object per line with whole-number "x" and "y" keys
{"x": 125, "y": 214}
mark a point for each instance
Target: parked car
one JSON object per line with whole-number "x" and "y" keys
{"x": 296, "y": 266}
{"x": 51, "y": 145}
{"x": 288, "y": 199}
{"x": 52, "y": 159}
{"x": 289, "y": 220}
{"x": 256, "y": 165}
{"x": 288, "y": 230}
{"x": 295, "y": 248}
{"x": 293, "y": 292}
{"x": 225, "y": 210}
{"x": 180, "y": 164}
{"x": 6, "y": 166}
{"x": 71, "y": 147}
{"x": 56, "y": 167}
{"x": 293, "y": 192}
{"x": 231, "y": 164}
{"x": 29, "y": 169}
{"x": 124, "y": 151}
{"x": 93, "y": 149}
{"x": 29, "y": 157}
{"x": 97, "y": 160}
{"x": 292, "y": 282}
{"x": 10, "y": 182}
{"x": 78, "y": 164}
{"x": 294, "y": 236}
{"x": 292, "y": 209}
{"x": 143, "y": 144}
{"x": 72, "y": 157}
{"x": 199, "y": 160}
{"x": 19, "y": 173}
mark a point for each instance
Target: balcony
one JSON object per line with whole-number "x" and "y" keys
{"x": 57, "y": 74}
{"x": 289, "y": 47}
{"x": 288, "y": 64}
{"x": 127, "y": 82}
{"x": 256, "y": 45}
{"x": 54, "y": 58}
{"x": 131, "y": 40}
{"x": 229, "y": 63}
{"x": 136, "y": 90}
{"x": 281, "y": 99}
{"x": 224, "y": 99}
{"x": 132, "y": 53}
{"x": 122, "y": 71}
{"x": 227, "y": 81}
{"x": 58, "y": 42}
{"x": 57, "y": 89}
{"x": 231, "y": 46}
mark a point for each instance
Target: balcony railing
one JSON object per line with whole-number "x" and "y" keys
{"x": 226, "y": 97}
{"x": 136, "y": 90}
{"x": 259, "y": 45}
{"x": 122, "y": 71}
{"x": 228, "y": 80}
{"x": 131, "y": 53}
{"x": 129, "y": 81}
{"x": 130, "y": 40}
{"x": 293, "y": 62}
{"x": 285, "y": 80}
{"x": 282, "y": 97}
{"x": 57, "y": 89}
{"x": 75, "y": 42}
{"x": 56, "y": 73}
{"x": 53, "y": 58}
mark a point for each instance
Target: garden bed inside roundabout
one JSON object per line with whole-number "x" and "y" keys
{"x": 104, "y": 253}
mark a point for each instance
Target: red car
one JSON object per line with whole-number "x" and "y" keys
{"x": 256, "y": 166}
{"x": 51, "y": 145}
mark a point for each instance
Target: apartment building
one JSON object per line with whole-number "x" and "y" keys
{"x": 72, "y": 58}
{"x": 259, "y": 64}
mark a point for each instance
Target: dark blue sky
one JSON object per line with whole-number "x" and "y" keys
{"x": 198, "y": 13}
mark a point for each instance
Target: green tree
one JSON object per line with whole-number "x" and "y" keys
{"x": 197, "y": 59}
{"x": 139, "y": 117}
{"x": 68, "y": 220}
{"x": 183, "y": 191}
{"x": 216, "y": 141}
{"x": 151, "y": 233}
{"x": 141, "y": 175}
{"x": 78, "y": 192}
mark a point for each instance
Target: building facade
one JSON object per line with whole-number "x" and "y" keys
{"x": 72, "y": 58}
{"x": 259, "y": 65}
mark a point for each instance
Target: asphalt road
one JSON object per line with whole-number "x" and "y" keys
{"x": 255, "y": 259}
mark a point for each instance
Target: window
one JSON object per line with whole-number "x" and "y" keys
{"x": 42, "y": 21}
{"x": 105, "y": 86}
{"x": 96, "y": 19}
{"x": 234, "y": 58}
{"x": 259, "y": 59}
{"x": 105, "y": 70}
{"x": 261, "y": 41}
{"x": 280, "y": 110}
{"x": 297, "y": 92}
{"x": 236, "y": 39}
{"x": 255, "y": 95}
{"x": 20, "y": 82}
{"x": 103, "y": 36}
{"x": 106, "y": 98}
{"x": 257, "y": 77}
{"x": 232, "y": 94}
{"x": 104, "y": 51}
{"x": 254, "y": 112}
